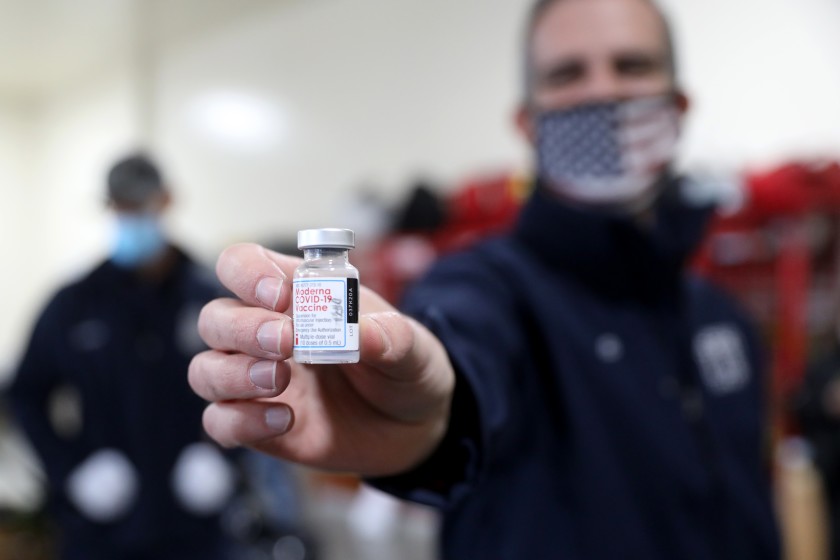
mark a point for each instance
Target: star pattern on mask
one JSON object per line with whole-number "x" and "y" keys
{"x": 607, "y": 152}
{"x": 581, "y": 142}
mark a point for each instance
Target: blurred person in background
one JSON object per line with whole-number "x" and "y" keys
{"x": 568, "y": 390}
{"x": 817, "y": 408}
{"x": 133, "y": 476}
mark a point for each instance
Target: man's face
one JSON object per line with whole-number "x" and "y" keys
{"x": 585, "y": 51}
{"x": 602, "y": 109}
{"x": 155, "y": 205}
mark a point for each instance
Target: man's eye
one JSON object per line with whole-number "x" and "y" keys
{"x": 637, "y": 66}
{"x": 562, "y": 75}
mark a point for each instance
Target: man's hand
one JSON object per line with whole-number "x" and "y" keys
{"x": 380, "y": 416}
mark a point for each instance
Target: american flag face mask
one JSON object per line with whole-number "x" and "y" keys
{"x": 608, "y": 153}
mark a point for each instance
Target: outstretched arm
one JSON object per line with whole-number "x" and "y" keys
{"x": 380, "y": 416}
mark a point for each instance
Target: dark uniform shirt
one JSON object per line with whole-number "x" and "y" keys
{"x": 608, "y": 404}
{"x": 123, "y": 346}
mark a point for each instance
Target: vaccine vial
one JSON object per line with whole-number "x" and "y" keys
{"x": 325, "y": 303}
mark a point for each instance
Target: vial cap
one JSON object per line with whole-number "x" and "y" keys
{"x": 326, "y": 237}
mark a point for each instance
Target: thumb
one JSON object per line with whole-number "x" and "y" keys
{"x": 400, "y": 347}
{"x": 389, "y": 343}
{"x": 414, "y": 378}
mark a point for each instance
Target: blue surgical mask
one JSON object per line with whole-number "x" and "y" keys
{"x": 139, "y": 239}
{"x": 608, "y": 154}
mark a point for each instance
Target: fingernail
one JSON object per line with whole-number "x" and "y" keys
{"x": 278, "y": 418}
{"x": 269, "y": 336}
{"x": 268, "y": 291}
{"x": 262, "y": 374}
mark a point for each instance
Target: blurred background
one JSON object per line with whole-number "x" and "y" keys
{"x": 392, "y": 118}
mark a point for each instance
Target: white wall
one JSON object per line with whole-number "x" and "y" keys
{"x": 53, "y": 154}
{"x": 367, "y": 91}
{"x": 765, "y": 78}
{"x": 79, "y": 132}
{"x": 16, "y": 232}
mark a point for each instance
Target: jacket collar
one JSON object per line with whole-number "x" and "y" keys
{"x": 180, "y": 261}
{"x": 615, "y": 254}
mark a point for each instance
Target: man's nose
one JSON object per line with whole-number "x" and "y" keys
{"x": 602, "y": 84}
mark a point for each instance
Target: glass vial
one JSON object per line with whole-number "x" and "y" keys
{"x": 325, "y": 300}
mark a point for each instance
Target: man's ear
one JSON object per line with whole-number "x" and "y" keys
{"x": 683, "y": 102}
{"x": 523, "y": 119}
{"x": 163, "y": 200}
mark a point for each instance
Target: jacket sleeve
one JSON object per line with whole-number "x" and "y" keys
{"x": 37, "y": 377}
{"x": 471, "y": 309}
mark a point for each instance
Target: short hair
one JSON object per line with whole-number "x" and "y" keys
{"x": 538, "y": 9}
{"x": 134, "y": 180}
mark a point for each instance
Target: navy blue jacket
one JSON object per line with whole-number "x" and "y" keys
{"x": 608, "y": 404}
{"x": 123, "y": 346}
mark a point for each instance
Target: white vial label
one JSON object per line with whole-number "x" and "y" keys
{"x": 326, "y": 313}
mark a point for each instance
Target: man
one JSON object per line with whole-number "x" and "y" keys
{"x": 134, "y": 479}
{"x": 817, "y": 408}
{"x": 569, "y": 391}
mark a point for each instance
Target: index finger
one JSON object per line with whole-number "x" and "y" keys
{"x": 258, "y": 276}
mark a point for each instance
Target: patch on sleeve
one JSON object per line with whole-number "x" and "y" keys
{"x": 722, "y": 359}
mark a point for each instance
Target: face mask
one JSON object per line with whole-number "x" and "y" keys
{"x": 610, "y": 154}
{"x": 139, "y": 239}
